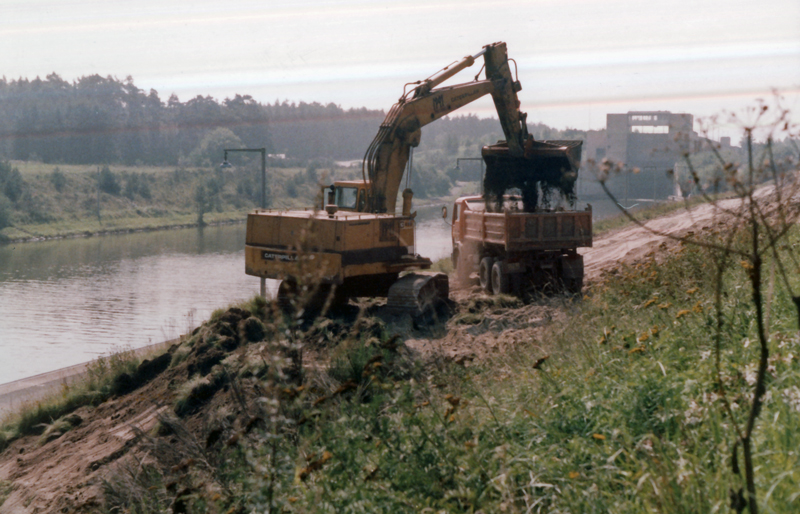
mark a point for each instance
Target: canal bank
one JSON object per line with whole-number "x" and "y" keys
{"x": 28, "y": 391}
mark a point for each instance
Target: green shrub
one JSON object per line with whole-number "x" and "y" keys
{"x": 108, "y": 182}
{"x": 5, "y": 212}
{"x": 11, "y": 182}
{"x": 58, "y": 179}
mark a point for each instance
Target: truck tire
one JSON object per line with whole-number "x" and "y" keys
{"x": 462, "y": 273}
{"x": 500, "y": 280}
{"x": 572, "y": 273}
{"x": 485, "y": 274}
{"x": 574, "y": 285}
{"x": 287, "y": 293}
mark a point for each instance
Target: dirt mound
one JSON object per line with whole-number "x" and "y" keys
{"x": 68, "y": 470}
{"x": 175, "y": 413}
{"x": 487, "y": 326}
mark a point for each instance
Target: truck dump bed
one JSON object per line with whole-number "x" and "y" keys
{"x": 519, "y": 231}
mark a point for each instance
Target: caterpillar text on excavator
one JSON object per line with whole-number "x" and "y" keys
{"x": 354, "y": 244}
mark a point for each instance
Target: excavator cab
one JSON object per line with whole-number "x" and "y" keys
{"x": 348, "y": 195}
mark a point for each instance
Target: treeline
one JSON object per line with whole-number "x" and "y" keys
{"x": 315, "y": 131}
{"x": 105, "y": 120}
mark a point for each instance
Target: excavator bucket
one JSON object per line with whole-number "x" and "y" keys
{"x": 545, "y": 168}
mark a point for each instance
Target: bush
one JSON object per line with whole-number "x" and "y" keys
{"x": 108, "y": 182}
{"x": 136, "y": 184}
{"x": 5, "y": 212}
{"x": 12, "y": 182}
{"x": 58, "y": 179}
{"x": 211, "y": 148}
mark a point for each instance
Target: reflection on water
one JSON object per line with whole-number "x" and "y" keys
{"x": 68, "y": 301}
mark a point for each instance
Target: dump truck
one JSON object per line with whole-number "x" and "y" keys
{"x": 512, "y": 250}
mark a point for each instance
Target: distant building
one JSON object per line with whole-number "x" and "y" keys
{"x": 649, "y": 143}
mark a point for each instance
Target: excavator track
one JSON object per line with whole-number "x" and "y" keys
{"x": 418, "y": 293}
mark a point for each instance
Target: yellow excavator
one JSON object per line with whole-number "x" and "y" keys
{"x": 354, "y": 244}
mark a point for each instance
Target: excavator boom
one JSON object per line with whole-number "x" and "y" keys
{"x": 386, "y": 158}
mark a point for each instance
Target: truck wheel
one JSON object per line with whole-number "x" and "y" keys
{"x": 287, "y": 293}
{"x": 458, "y": 266}
{"x": 571, "y": 272}
{"x": 574, "y": 285}
{"x": 485, "y": 273}
{"x": 500, "y": 281}
{"x": 463, "y": 268}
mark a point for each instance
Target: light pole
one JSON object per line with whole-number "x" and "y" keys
{"x": 225, "y": 164}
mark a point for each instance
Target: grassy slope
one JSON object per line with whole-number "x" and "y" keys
{"x": 622, "y": 416}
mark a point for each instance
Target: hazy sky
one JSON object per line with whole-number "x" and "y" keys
{"x": 578, "y": 59}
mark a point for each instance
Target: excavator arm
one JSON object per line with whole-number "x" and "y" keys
{"x": 386, "y": 158}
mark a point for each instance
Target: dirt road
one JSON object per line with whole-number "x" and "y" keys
{"x": 631, "y": 243}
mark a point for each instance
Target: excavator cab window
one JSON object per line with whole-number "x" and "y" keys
{"x": 346, "y": 197}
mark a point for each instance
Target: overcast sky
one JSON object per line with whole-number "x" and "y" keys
{"x": 578, "y": 59}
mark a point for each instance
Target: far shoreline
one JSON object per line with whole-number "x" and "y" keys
{"x": 117, "y": 231}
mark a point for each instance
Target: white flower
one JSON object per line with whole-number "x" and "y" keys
{"x": 792, "y": 396}
{"x": 694, "y": 414}
{"x": 751, "y": 373}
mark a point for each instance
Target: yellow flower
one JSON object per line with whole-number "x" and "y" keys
{"x": 648, "y": 303}
{"x": 599, "y": 437}
{"x": 692, "y": 290}
{"x": 664, "y": 306}
{"x": 697, "y": 308}
{"x": 574, "y": 474}
{"x": 682, "y": 313}
{"x": 644, "y": 337}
